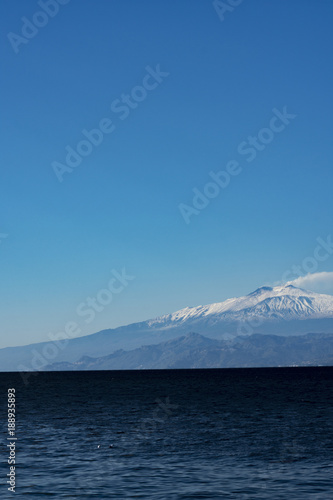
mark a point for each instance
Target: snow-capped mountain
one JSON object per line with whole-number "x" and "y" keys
{"x": 281, "y": 303}
{"x": 283, "y": 310}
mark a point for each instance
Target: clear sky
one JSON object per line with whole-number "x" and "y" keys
{"x": 197, "y": 87}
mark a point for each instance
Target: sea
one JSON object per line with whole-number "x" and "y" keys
{"x": 256, "y": 433}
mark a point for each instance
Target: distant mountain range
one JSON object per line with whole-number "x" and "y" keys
{"x": 266, "y": 312}
{"x": 196, "y": 351}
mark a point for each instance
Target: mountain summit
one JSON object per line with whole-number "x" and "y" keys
{"x": 281, "y": 303}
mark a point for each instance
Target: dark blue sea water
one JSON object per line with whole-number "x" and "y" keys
{"x": 172, "y": 434}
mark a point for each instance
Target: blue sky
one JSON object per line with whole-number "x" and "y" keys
{"x": 119, "y": 208}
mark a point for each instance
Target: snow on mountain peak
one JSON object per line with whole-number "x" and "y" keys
{"x": 281, "y": 302}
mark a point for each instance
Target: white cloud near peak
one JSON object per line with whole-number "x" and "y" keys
{"x": 316, "y": 282}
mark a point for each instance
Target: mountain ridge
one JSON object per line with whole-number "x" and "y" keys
{"x": 197, "y": 351}
{"x": 253, "y": 299}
